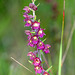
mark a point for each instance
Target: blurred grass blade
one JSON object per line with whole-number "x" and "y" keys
{"x": 21, "y": 64}
{"x": 38, "y": 4}
{"x": 68, "y": 44}
{"x": 60, "y": 54}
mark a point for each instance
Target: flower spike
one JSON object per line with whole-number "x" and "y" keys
{"x": 34, "y": 40}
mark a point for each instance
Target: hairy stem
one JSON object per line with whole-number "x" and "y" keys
{"x": 39, "y": 54}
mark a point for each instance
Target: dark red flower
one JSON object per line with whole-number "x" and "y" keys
{"x": 40, "y": 45}
{"x": 32, "y": 55}
{"x": 38, "y": 69}
{"x": 35, "y": 25}
{"x": 37, "y": 61}
{"x": 33, "y": 6}
{"x": 27, "y": 17}
{"x": 27, "y": 32}
{"x": 26, "y": 8}
{"x": 40, "y": 33}
{"x": 46, "y": 49}
{"x": 28, "y": 23}
{"x": 35, "y": 39}
{"x": 30, "y": 43}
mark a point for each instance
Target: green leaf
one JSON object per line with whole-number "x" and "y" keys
{"x": 30, "y": 61}
{"x": 34, "y": 1}
{"x": 44, "y": 40}
{"x": 49, "y": 69}
{"x": 43, "y": 62}
{"x": 38, "y": 4}
{"x": 35, "y": 17}
{"x": 38, "y": 74}
{"x": 31, "y": 9}
{"x": 39, "y": 20}
{"x": 32, "y": 32}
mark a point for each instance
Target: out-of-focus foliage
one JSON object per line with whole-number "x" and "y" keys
{"x": 13, "y": 41}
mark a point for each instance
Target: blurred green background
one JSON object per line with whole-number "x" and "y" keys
{"x": 13, "y": 41}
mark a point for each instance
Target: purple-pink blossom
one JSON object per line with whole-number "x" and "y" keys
{"x": 28, "y": 23}
{"x": 26, "y": 8}
{"x": 46, "y": 49}
{"x": 35, "y": 25}
{"x": 40, "y": 33}
{"x": 40, "y": 45}
{"x": 38, "y": 69}
{"x": 36, "y": 61}
{"x": 32, "y": 55}
{"x": 35, "y": 39}
{"x": 34, "y": 36}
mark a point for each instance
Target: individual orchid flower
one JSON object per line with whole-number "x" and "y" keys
{"x": 32, "y": 55}
{"x": 40, "y": 45}
{"x": 40, "y": 33}
{"x": 36, "y": 61}
{"x": 33, "y": 6}
{"x": 30, "y": 43}
{"x": 35, "y": 39}
{"x": 28, "y": 23}
{"x": 46, "y": 49}
{"x": 26, "y": 8}
{"x": 38, "y": 69}
{"x": 35, "y": 25}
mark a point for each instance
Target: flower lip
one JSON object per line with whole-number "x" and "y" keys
{"x": 29, "y": 21}
{"x": 40, "y": 32}
{"x": 35, "y": 38}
